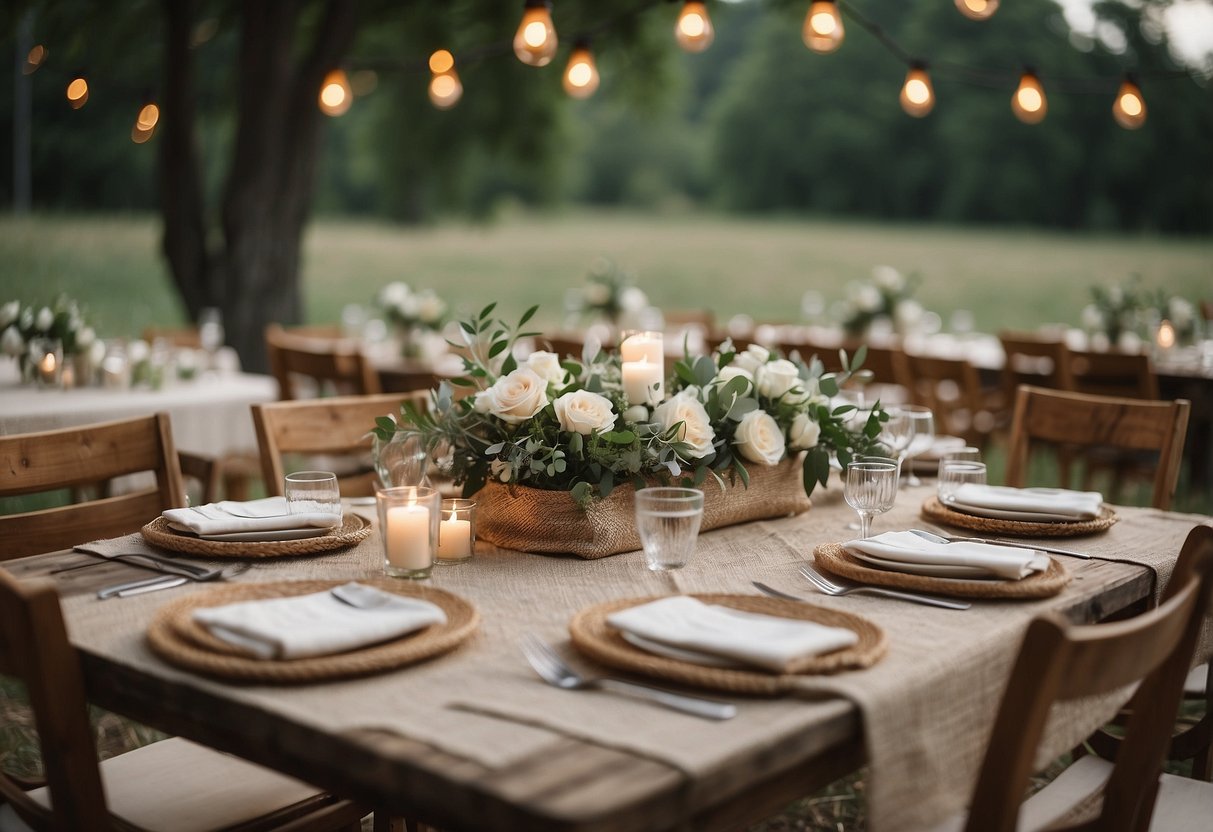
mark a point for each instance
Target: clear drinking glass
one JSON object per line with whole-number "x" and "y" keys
{"x": 667, "y": 520}
{"x": 871, "y": 488}
{"x": 955, "y": 473}
{"x": 965, "y": 454}
{"x": 896, "y": 432}
{"x": 312, "y": 492}
{"x": 922, "y": 437}
{"x": 210, "y": 333}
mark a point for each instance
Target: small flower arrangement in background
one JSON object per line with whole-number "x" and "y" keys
{"x": 563, "y": 424}
{"x": 63, "y": 321}
{"x": 609, "y": 292}
{"x": 411, "y": 312}
{"x": 888, "y": 296}
{"x": 1181, "y": 313}
{"x": 1124, "y": 312}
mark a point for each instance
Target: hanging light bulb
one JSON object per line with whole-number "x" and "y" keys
{"x": 33, "y": 59}
{"x": 445, "y": 88}
{"x": 917, "y": 94}
{"x": 335, "y": 93}
{"x": 694, "y": 31}
{"x": 77, "y": 92}
{"x": 149, "y": 115}
{"x": 1129, "y": 108}
{"x": 823, "y": 30}
{"x": 535, "y": 40}
{"x": 581, "y": 74}
{"x": 140, "y": 135}
{"x": 1029, "y": 103}
{"x": 977, "y": 9}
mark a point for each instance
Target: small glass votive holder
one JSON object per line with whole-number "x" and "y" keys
{"x": 955, "y": 473}
{"x": 457, "y": 531}
{"x": 408, "y": 527}
{"x": 313, "y": 492}
{"x": 965, "y": 454}
{"x": 46, "y": 356}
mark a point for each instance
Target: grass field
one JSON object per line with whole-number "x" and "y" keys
{"x": 1007, "y": 278}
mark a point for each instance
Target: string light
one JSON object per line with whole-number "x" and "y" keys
{"x": 535, "y": 40}
{"x": 977, "y": 9}
{"x": 34, "y": 59}
{"x": 445, "y": 89}
{"x": 149, "y": 115}
{"x": 1129, "y": 108}
{"x": 823, "y": 30}
{"x": 917, "y": 95}
{"x": 77, "y": 92}
{"x": 335, "y": 93}
{"x": 581, "y": 74}
{"x": 694, "y": 31}
{"x": 1029, "y": 103}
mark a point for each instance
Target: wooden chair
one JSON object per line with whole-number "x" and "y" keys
{"x": 171, "y": 784}
{"x": 205, "y": 471}
{"x": 1079, "y": 421}
{"x": 183, "y": 336}
{"x": 333, "y": 364}
{"x": 676, "y": 318}
{"x": 1059, "y": 662}
{"x": 1113, "y": 374}
{"x": 32, "y": 463}
{"x": 337, "y": 426}
{"x": 951, "y": 388}
{"x": 1035, "y": 360}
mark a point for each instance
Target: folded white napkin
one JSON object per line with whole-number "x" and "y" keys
{"x": 228, "y": 517}
{"x": 907, "y": 548}
{"x": 762, "y": 640}
{"x": 317, "y": 624}
{"x": 1043, "y": 504}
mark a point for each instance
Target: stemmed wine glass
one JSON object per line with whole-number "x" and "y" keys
{"x": 870, "y": 489}
{"x": 896, "y": 433}
{"x": 922, "y": 437}
{"x": 210, "y": 333}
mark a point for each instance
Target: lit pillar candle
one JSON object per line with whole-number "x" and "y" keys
{"x": 408, "y": 537}
{"x": 47, "y": 368}
{"x": 643, "y": 382}
{"x": 454, "y": 538}
{"x": 643, "y": 346}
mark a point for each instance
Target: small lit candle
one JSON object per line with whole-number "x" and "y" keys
{"x": 1166, "y": 335}
{"x": 643, "y": 382}
{"x": 407, "y": 537}
{"x": 454, "y": 538}
{"x": 47, "y": 367}
{"x": 643, "y": 346}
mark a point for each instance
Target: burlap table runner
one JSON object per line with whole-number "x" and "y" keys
{"x": 926, "y": 709}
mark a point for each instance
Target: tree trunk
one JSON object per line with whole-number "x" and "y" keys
{"x": 268, "y": 193}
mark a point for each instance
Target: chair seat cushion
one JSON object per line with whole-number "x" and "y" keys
{"x": 177, "y": 786}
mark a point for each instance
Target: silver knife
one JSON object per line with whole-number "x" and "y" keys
{"x": 139, "y": 587}
{"x": 1019, "y": 544}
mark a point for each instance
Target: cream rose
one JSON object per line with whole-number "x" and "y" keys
{"x": 696, "y": 429}
{"x": 775, "y": 378}
{"x": 731, "y": 372}
{"x": 9, "y": 312}
{"x": 584, "y": 412}
{"x": 804, "y": 433}
{"x": 11, "y": 342}
{"x": 45, "y": 318}
{"x": 636, "y": 414}
{"x": 546, "y": 365}
{"x": 753, "y": 357}
{"x": 514, "y": 398}
{"x": 758, "y": 438}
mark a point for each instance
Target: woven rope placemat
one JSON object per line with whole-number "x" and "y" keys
{"x": 932, "y": 509}
{"x": 354, "y": 529}
{"x": 836, "y": 560}
{"x": 178, "y": 639}
{"x": 595, "y": 638}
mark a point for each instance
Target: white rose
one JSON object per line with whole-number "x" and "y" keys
{"x": 1181, "y": 312}
{"x": 9, "y": 312}
{"x": 805, "y": 391}
{"x": 758, "y": 438}
{"x": 1092, "y": 318}
{"x": 636, "y": 414}
{"x": 138, "y": 352}
{"x": 907, "y": 314}
{"x": 752, "y": 358}
{"x": 409, "y": 306}
{"x": 804, "y": 433}
{"x": 96, "y": 354}
{"x": 86, "y": 337}
{"x": 696, "y": 429}
{"x": 11, "y": 342}
{"x": 867, "y": 298}
{"x": 731, "y": 372}
{"x": 596, "y": 294}
{"x": 775, "y": 378}
{"x": 430, "y": 307}
{"x": 394, "y": 294}
{"x": 45, "y": 319}
{"x": 887, "y": 277}
{"x": 514, "y": 398}
{"x": 546, "y": 365}
{"x": 633, "y": 300}
{"x": 584, "y": 412}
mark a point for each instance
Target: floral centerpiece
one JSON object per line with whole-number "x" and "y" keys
{"x": 586, "y": 427}
{"x": 610, "y": 292}
{"x": 1116, "y": 310}
{"x": 63, "y": 321}
{"x": 887, "y": 296}
{"x": 411, "y": 312}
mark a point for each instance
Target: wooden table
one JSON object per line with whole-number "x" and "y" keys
{"x": 573, "y": 783}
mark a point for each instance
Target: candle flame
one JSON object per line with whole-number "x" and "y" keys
{"x": 1166, "y": 335}
{"x": 452, "y": 515}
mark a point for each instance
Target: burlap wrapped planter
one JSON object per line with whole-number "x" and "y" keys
{"x": 532, "y": 520}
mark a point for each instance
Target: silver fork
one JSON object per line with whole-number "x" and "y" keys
{"x": 555, "y": 671}
{"x": 832, "y": 586}
{"x": 117, "y": 590}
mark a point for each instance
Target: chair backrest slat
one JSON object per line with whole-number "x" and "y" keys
{"x": 951, "y": 388}
{"x": 1113, "y": 374}
{"x": 328, "y": 360}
